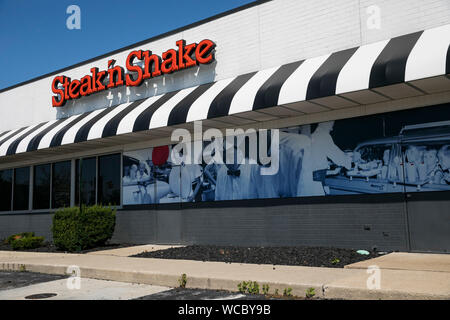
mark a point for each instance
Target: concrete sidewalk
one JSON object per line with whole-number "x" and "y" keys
{"x": 408, "y": 261}
{"x": 131, "y": 251}
{"x": 328, "y": 283}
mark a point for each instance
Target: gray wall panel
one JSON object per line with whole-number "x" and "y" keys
{"x": 429, "y": 225}
{"x": 135, "y": 227}
{"x": 40, "y": 224}
{"x": 341, "y": 225}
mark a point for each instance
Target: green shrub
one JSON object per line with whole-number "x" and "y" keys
{"x": 97, "y": 224}
{"x": 65, "y": 229}
{"x": 27, "y": 243}
{"x": 13, "y": 237}
{"x": 75, "y": 231}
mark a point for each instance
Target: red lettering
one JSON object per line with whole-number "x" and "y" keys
{"x": 115, "y": 77}
{"x": 154, "y": 66}
{"x": 97, "y": 80}
{"x": 204, "y": 52}
{"x": 132, "y": 68}
{"x": 66, "y": 88}
{"x": 86, "y": 88}
{"x": 58, "y": 102}
{"x": 151, "y": 60}
{"x": 169, "y": 64}
{"x": 185, "y": 54}
{"x": 74, "y": 89}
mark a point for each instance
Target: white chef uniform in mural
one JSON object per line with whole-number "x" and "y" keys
{"x": 292, "y": 179}
{"x": 237, "y": 181}
{"x": 267, "y": 186}
{"x": 322, "y": 149}
{"x": 295, "y": 169}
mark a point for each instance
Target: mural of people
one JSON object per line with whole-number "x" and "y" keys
{"x": 236, "y": 181}
{"x": 322, "y": 149}
{"x": 431, "y": 161}
{"x": 143, "y": 182}
{"x": 331, "y": 159}
{"x": 444, "y": 162}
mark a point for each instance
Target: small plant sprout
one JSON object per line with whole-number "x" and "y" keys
{"x": 335, "y": 261}
{"x": 276, "y": 292}
{"x": 287, "y": 292}
{"x": 251, "y": 287}
{"x": 242, "y": 286}
{"x": 310, "y": 293}
{"x": 265, "y": 289}
{"x": 183, "y": 280}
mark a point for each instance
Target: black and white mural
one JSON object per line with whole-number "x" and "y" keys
{"x": 406, "y": 151}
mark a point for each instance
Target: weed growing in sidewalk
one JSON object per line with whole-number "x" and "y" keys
{"x": 251, "y": 287}
{"x": 183, "y": 280}
{"x": 265, "y": 289}
{"x": 335, "y": 261}
{"x": 287, "y": 292}
{"x": 310, "y": 293}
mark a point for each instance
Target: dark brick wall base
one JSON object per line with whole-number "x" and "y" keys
{"x": 347, "y": 225}
{"x": 17, "y": 223}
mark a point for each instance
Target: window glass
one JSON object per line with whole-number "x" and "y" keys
{"x": 41, "y": 187}
{"x": 5, "y": 190}
{"x": 87, "y": 183}
{"x": 21, "y": 188}
{"x": 61, "y": 184}
{"x": 109, "y": 179}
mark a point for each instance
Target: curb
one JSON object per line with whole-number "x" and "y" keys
{"x": 323, "y": 291}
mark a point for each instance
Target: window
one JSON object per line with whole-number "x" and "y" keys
{"x": 41, "y": 187}
{"x": 109, "y": 179}
{"x": 5, "y": 190}
{"x": 61, "y": 177}
{"x": 21, "y": 188}
{"x": 86, "y": 169}
{"x": 97, "y": 180}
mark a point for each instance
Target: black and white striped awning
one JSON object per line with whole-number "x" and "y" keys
{"x": 344, "y": 75}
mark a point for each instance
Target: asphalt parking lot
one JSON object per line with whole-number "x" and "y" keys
{"x": 13, "y": 280}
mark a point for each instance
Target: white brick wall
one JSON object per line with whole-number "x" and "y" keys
{"x": 404, "y": 16}
{"x": 267, "y": 35}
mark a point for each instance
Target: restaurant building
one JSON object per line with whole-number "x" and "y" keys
{"x": 354, "y": 94}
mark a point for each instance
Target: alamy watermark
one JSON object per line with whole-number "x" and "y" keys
{"x": 374, "y": 280}
{"x": 374, "y": 17}
{"x": 74, "y": 281}
{"x": 74, "y": 20}
{"x": 237, "y": 147}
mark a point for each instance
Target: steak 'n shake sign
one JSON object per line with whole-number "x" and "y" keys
{"x": 154, "y": 66}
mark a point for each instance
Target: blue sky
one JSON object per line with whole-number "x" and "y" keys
{"x": 35, "y": 40}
